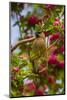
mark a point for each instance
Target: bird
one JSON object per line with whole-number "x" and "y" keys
{"x": 39, "y": 50}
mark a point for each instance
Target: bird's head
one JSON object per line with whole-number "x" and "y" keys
{"x": 39, "y": 35}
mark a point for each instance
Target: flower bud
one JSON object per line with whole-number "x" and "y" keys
{"x": 32, "y": 20}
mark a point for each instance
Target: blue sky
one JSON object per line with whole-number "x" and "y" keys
{"x": 15, "y": 30}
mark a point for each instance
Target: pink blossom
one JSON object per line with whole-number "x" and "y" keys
{"x": 61, "y": 64}
{"x": 52, "y": 59}
{"x": 46, "y": 33}
{"x": 39, "y": 92}
{"x": 32, "y": 86}
{"x": 54, "y": 36}
{"x": 51, "y": 79}
{"x": 62, "y": 48}
{"x": 33, "y": 20}
{"x": 57, "y": 50}
{"x": 49, "y": 6}
{"x": 62, "y": 27}
{"x": 57, "y": 19}
{"x": 15, "y": 69}
{"x": 56, "y": 22}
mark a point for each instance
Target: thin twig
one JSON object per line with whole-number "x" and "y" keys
{"x": 21, "y": 42}
{"x": 48, "y": 48}
{"x": 44, "y": 69}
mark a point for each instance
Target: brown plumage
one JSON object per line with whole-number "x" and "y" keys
{"x": 39, "y": 49}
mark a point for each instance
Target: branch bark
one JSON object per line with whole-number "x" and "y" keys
{"x": 29, "y": 40}
{"x": 21, "y": 42}
{"x": 48, "y": 48}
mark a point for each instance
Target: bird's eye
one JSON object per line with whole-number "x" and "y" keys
{"x": 37, "y": 34}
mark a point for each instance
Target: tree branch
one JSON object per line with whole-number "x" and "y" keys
{"x": 52, "y": 44}
{"x": 29, "y": 40}
{"x": 21, "y": 42}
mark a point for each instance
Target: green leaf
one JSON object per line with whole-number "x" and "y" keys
{"x": 37, "y": 28}
{"x": 14, "y": 60}
{"x": 13, "y": 93}
{"x": 60, "y": 57}
{"x": 49, "y": 28}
